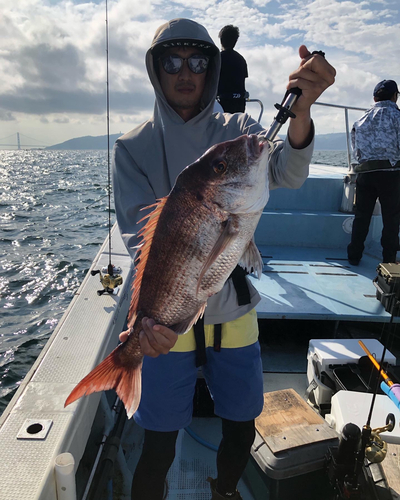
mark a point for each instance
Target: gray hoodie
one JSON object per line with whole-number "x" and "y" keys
{"x": 148, "y": 159}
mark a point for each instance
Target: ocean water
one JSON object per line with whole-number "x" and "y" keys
{"x": 53, "y": 219}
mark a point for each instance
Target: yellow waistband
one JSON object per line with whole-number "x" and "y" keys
{"x": 240, "y": 332}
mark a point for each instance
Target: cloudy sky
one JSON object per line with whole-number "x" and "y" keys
{"x": 53, "y": 57}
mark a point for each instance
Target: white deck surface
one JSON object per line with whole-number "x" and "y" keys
{"x": 315, "y": 283}
{"x": 327, "y": 171}
{"x": 82, "y": 338}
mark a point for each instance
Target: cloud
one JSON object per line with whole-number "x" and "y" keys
{"x": 349, "y": 26}
{"x": 61, "y": 120}
{"x": 53, "y": 55}
{"x": 41, "y": 100}
{"x": 6, "y": 116}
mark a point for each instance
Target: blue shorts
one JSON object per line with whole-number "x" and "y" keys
{"x": 233, "y": 375}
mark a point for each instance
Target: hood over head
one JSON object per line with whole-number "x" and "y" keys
{"x": 183, "y": 142}
{"x": 184, "y": 33}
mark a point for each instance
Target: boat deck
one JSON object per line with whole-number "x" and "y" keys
{"x": 303, "y": 236}
{"x": 317, "y": 283}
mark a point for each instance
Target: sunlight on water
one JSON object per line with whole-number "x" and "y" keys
{"x": 49, "y": 236}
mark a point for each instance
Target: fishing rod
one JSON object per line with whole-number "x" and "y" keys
{"x": 372, "y": 446}
{"x": 387, "y": 384}
{"x": 111, "y": 279}
{"x": 346, "y": 462}
{"x": 284, "y": 109}
{"x": 110, "y": 269}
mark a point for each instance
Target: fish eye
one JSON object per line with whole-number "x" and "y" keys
{"x": 220, "y": 167}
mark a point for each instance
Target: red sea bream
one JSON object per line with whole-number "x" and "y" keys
{"x": 193, "y": 239}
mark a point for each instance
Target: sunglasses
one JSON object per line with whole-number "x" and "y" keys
{"x": 197, "y": 63}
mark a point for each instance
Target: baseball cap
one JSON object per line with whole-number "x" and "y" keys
{"x": 182, "y": 32}
{"x": 385, "y": 89}
{"x": 205, "y": 47}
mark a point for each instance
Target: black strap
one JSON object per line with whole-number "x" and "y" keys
{"x": 238, "y": 276}
{"x": 199, "y": 335}
{"x": 198, "y": 327}
{"x": 217, "y": 337}
{"x": 239, "y": 280}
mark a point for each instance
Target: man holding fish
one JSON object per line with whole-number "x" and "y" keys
{"x": 183, "y": 64}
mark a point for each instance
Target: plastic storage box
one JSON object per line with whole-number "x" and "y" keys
{"x": 354, "y": 407}
{"x": 325, "y": 358}
{"x": 291, "y": 438}
{"x": 387, "y": 284}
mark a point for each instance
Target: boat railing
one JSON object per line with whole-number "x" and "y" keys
{"x": 259, "y": 102}
{"x": 349, "y": 181}
{"x": 346, "y": 118}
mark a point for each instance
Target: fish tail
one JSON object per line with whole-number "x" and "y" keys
{"x": 111, "y": 373}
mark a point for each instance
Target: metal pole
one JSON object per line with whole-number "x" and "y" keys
{"x": 261, "y": 105}
{"x": 110, "y": 267}
{"x": 346, "y": 116}
{"x": 339, "y": 106}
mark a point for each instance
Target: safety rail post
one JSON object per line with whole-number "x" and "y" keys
{"x": 349, "y": 180}
{"x": 346, "y": 117}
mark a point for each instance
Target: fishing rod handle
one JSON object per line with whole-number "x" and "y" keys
{"x": 293, "y": 94}
{"x": 284, "y": 112}
{"x": 285, "y": 107}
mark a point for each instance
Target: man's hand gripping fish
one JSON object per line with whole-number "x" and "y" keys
{"x": 192, "y": 241}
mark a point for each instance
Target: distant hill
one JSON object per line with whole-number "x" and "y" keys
{"x": 87, "y": 142}
{"x": 323, "y": 142}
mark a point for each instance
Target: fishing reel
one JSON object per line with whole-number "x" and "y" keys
{"x": 110, "y": 278}
{"x": 376, "y": 448}
{"x": 345, "y": 462}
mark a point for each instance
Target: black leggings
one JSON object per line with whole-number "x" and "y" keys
{"x": 159, "y": 452}
{"x": 384, "y": 185}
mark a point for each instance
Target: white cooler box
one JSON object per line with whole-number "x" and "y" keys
{"x": 325, "y": 355}
{"x": 354, "y": 407}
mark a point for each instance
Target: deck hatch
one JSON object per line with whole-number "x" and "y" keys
{"x": 284, "y": 264}
{"x": 34, "y": 429}
{"x": 337, "y": 274}
{"x": 329, "y": 265}
{"x": 284, "y": 272}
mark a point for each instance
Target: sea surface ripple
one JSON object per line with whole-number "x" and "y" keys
{"x": 54, "y": 217}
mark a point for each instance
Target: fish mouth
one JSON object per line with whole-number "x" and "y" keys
{"x": 255, "y": 146}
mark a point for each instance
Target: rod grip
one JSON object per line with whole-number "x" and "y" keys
{"x": 393, "y": 392}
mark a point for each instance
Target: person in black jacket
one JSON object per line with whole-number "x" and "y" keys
{"x": 231, "y": 87}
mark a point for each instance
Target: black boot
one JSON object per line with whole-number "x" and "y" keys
{"x": 216, "y": 495}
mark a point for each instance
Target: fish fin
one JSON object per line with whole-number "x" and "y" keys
{"x": 185, "y": 326}
{"x": 147, "y": 234}
{"x": 251, "y": 259}
{"x": 125, "y": 379}
{"x": 225, "y": 238}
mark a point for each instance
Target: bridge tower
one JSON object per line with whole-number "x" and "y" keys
{"x": 18, "y": 141}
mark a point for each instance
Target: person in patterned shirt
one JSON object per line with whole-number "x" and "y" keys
{"x": 375, "y": 140}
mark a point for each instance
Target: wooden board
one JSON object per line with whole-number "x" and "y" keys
{"x": 391, "y": 468}
{"x": 287, "y": 422}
